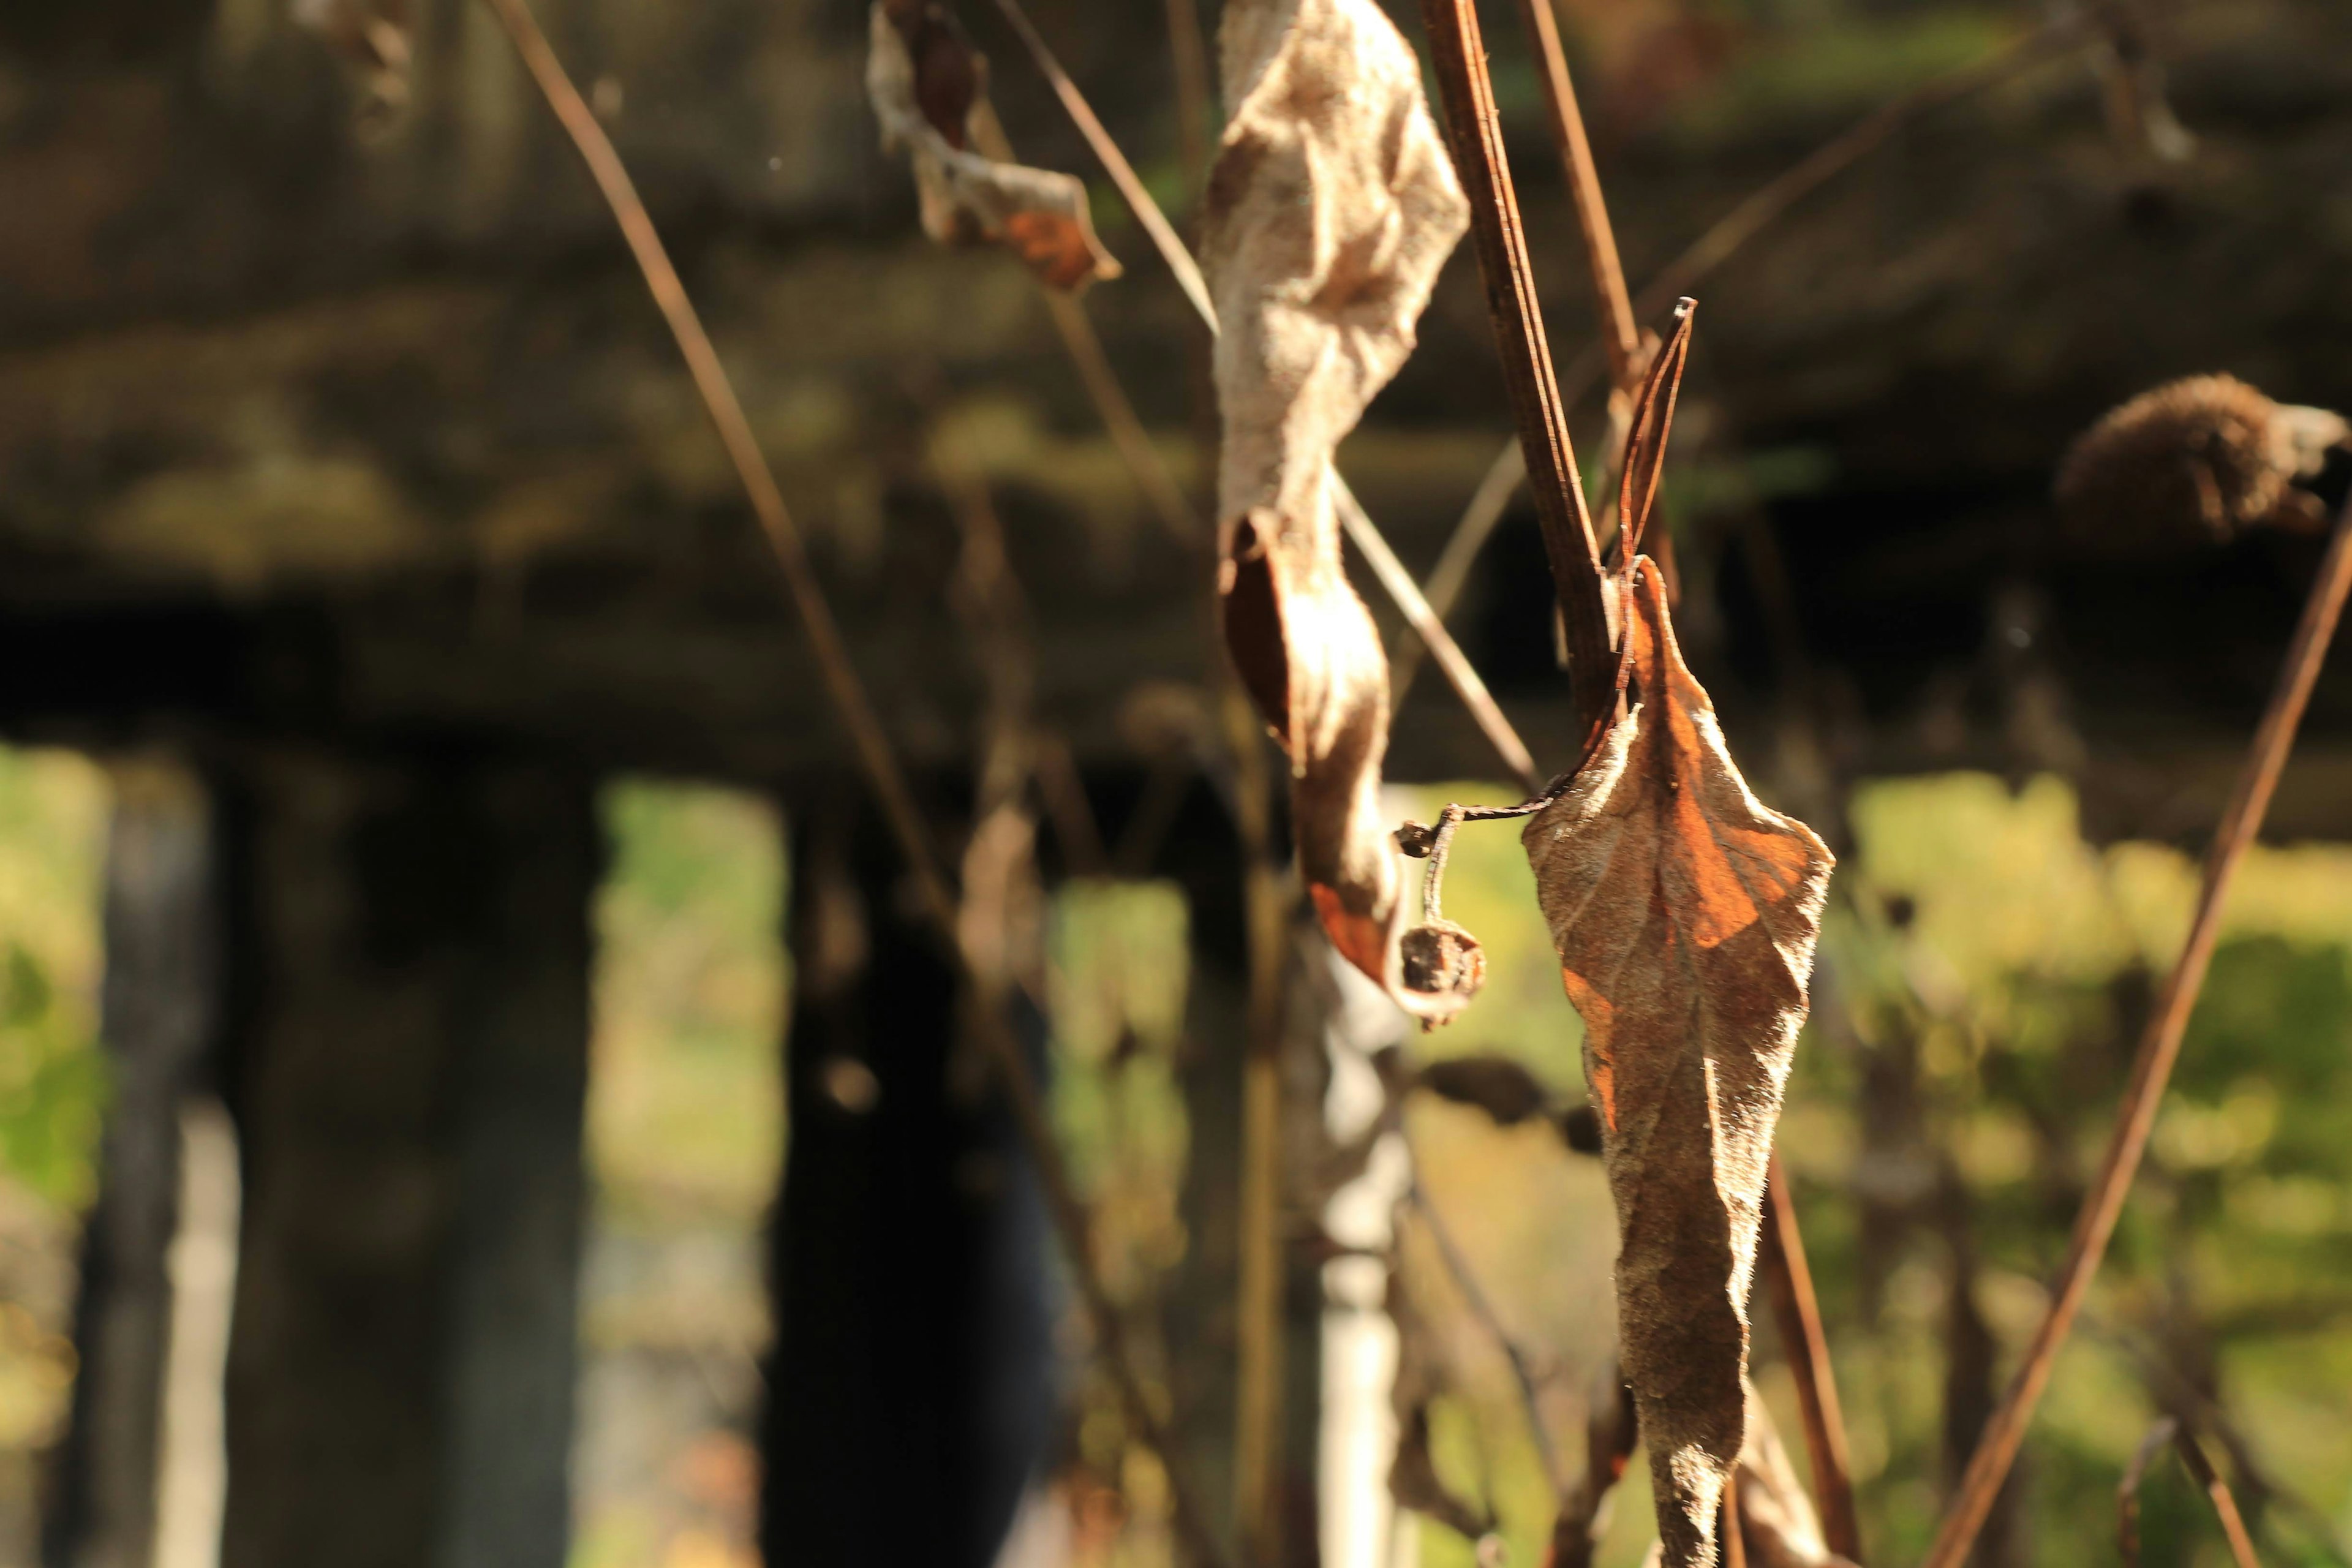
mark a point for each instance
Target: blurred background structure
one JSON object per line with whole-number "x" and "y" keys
{"x": 475, "y": 1087}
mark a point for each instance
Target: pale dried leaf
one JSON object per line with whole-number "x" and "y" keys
{"x": 1777, "y": 1521}
{"x": 1684, "y": 913}
{"x": 1329, "y": 211}
{"x": 930, "y": 107}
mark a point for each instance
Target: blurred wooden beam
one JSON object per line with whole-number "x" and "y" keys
{"x": 410, "y": 962}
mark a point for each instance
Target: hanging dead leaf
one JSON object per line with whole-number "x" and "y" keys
{"x": 929, "y": 89}
{"x": 1684, "y": 913}
{"x": 1331, "y": 209}
{"x": 1777, "y": 1521}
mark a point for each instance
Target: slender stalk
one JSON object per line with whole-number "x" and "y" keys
{"x": 1753, "y": 214}
{"x": 1459, "y": 55}
{"x": 1481, "y": 1307}
{"x": 1798, "y": 1310}
{"x": 1440, "y": 643}
{"x": 2159, "y": 1047}
{"x": 857, "y": 714}
{"x": 1487, "y": 504}
{"x": 1079, "y": 339}
{"x": 1620, "y": 334}
{"x": 1189, "y": 59}
{"x": 2225, "y": 1501}
{"x": 1114, "y": 162}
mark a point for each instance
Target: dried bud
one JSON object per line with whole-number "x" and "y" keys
{"x": 2192, "y": 463}
{"x": 1441, "y": 959}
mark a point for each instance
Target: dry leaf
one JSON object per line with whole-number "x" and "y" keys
{"x": 1777, "y": 1521}
{"x": 1685, "y": 913}
{"x": 927, "y": 86}
{"x": 1611, "y": 1429}
{"x": 1331, "y": 209}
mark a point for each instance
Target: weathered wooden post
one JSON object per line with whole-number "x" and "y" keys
{"x": 409, "y": 970}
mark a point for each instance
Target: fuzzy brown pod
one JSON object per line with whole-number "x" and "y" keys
{"x": 929, "y": 89}
{"x": 1331, "y": 209}
{"x": 2192, "y": 463}
{"x": 1684, "y": 913}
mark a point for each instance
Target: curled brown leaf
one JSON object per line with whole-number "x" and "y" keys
{"x": 1329, "y": 211}
{"x": 1684, "y": 913}
{"x": 929, "y": 89}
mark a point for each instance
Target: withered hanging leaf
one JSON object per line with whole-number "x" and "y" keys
{"x": 1777, "y": 1521}
{"x": 927, "y": 86}
{"x": 1329, "y": 211}
{"x": 1684, "y": 913}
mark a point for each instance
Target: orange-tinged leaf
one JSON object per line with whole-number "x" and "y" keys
{"x": 1684, "y": 913}
{"x": 1331, "y": 209}
{"x": 927, "y": 85}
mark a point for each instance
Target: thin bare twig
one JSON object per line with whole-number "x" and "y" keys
{"x": 1114, "y": 162}
{"x": 1487, "y": 504}
{"x": 2159, "y": 1047}
{"x": 1481, "y": 1307}
{"x": 1620, "y": 334}
{"x": 2225, "y": 1503}
{"x": 1079, "y": 339}
{"x": 1190, "y": 58}
{"x": 857, "y": 714}
{"x": 1790, "y": 1279}
{"x": 1394, "y": 579}
{"x": 1459, "y": 55}
{"x": 1754, "y": 213}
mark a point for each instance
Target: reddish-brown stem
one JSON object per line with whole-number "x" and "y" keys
{"x": 1369, "y": 541}
{"x": 1798, "y": 1312}
{"x": 1620, "y": 334}
{"x": 866, "y": 733}
{"x": 2224, "y": 1501}
{"x": 2159, "y": 1047}
{"x": 1459, "y": 55}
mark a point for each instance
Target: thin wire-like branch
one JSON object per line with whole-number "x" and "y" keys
{"x": 1487, "y": 504}
{"x": 1459, "y": 55}
{"x": 1079, "y": 339}
{"x": 866, "y": 733}
{"x": 1620, "y": 334}
{"x": 1790, "y": 1279}
{"x": 1189, "y": 59}
{"x": 1440, "y": 643}
{"x": 1723, "y": 238}
{"x": 1122, "y": 173}
{"x": 1394, "y": 579}
{"x": 2159, "y": 1047}
{"x": 1481, "y": 1307}
{"x": 2217, "y": 1489}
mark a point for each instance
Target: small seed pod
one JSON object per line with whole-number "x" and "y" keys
{"x": 2193, "y": 463}
{"x": 1441, "y": 959}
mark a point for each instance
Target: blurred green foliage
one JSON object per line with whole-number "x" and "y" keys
{"x": 52, "y": 1078}
{"x": 1982, "y": 977}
